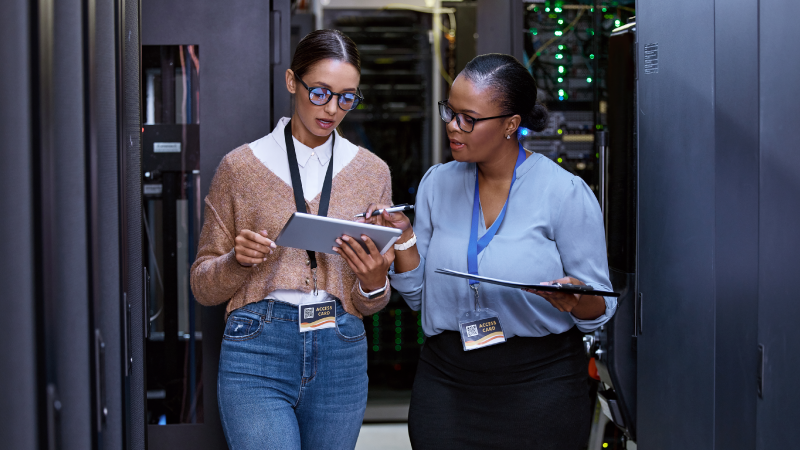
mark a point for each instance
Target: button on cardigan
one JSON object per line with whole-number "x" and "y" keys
{"x": 553, "y": 228}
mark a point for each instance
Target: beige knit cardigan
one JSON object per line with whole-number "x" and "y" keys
{"x": 245, "y": 194}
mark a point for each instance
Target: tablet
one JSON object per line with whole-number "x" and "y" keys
{"x": 319, "y": 233}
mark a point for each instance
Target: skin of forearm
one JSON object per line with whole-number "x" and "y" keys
{"x": 589, "y": 307}
{"x": 406, "y": 260}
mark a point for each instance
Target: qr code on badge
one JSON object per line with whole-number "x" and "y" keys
{"x": 308, "y": 313}
{"x": 472, "y": 330}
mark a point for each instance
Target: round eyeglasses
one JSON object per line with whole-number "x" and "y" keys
{"x": 321, "y": 96}
{"x": 465, "y": 123}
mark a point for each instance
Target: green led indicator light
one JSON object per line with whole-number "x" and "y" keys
{"x": 589, "y": 80}
{"x": 560, "y": 131}
{"x": 375, "y": 348}
{"x": 420, "y": 341}
{"x": 397, "y": 323}
{"x": 534, "y": 31}
{"x": 397, "y": 348}
{"x": 398, "y": 329}
{"x": 397, "y": 311}
{"x": 558, "y": 10}
{"x": 560, "y": 80}
{"x": 597, "y": 155}
{"x": 560, "y": 92}
{"x": 617, "y": 23}
{"x": 561, "y": 21}
{"x": 560, "y": 69}
{"x": 605, "y": 9}
{"x": 547, "y": 10}
{"x": 559, "y": 56}
{"x": 591, "y": 56}
{"x": 558, "y": 33}
{"x": 560, "y": 160}
{"x": 561, "y": 47}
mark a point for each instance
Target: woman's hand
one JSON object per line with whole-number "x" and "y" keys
{"x": 370, "y": 268}
{"x": 252, "y": 248}
{"x": 585, "y": 307}
{"x": 392, "y": 220}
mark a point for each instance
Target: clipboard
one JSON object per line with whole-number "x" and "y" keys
{"x": 569, "y": 288}
{"x": 319, "y": 233}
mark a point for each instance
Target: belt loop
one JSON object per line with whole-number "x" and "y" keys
{"x": 268, "y": 314}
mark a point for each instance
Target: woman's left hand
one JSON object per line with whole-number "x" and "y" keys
{"x": 584, "y": 307}
{"x": 370, "y": 268}
{"x": 562, "y": 301}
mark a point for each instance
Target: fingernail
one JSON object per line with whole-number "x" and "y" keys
{"x": 264, "y": 259}
{"x": 339, "y": 241}
{"x": 345, "y": 238}
{"x": 336, "y": 249}
{"x": 364, "y": 237}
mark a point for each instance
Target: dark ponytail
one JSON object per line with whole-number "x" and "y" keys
{"x": 514, "y": 87}
{"x": 324, "y": 44}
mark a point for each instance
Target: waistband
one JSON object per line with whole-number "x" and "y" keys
{"x": 269, "y": 309}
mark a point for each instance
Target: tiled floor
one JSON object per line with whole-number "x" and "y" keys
{"x": 384, "y": 437}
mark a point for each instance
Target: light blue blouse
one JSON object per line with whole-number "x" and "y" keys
{"x": 553, "y": 228}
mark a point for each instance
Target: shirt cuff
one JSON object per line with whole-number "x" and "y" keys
{"x": 590, "y": 325}
{"x": 410, "y": 281}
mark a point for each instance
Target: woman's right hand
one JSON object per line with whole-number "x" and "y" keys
{"x": 392, "y": 220}
{"x": 252, "y": 248}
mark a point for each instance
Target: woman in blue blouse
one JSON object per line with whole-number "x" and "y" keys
{"x": 527, "y": 220}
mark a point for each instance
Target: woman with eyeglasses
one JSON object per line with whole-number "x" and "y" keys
{"x": 501, "y": 367}
{"x": 282, "y": 385}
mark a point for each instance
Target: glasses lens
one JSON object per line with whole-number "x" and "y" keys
{"x": 319, "y": 96}
{"x": 465, "y": 122}
{"x": 445, "y": 112}
{"x": 348, "y": 101}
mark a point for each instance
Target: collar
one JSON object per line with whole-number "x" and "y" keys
{"x": 322, "y": 153}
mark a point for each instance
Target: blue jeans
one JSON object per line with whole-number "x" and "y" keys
{"x": 282, "y": 389}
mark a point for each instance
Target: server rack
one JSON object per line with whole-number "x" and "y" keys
{"x": 393, "y": 122}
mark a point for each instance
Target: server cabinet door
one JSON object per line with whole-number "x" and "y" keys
{"x": 676, "y": 224}
{"x": 208, "y": 69}
{"x": 778, "y": 219}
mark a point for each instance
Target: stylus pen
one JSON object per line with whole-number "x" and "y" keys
{"x": 393, "y": 209}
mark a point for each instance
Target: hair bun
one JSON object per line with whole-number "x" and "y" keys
{"x": 536, "y": 119}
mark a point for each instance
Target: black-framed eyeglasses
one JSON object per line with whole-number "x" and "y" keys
{"x": 464, "y": 121}
{"x": 319, "y": 96}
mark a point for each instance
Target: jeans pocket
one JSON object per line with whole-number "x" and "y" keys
{"x": 350, "y": 328}
{"x": 242, "y": 325}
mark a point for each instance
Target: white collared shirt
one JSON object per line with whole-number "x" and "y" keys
{"x": 313, "y": 163}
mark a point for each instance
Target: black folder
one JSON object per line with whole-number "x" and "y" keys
{"x": 569, "y": 288}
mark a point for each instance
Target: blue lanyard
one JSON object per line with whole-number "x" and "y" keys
{"x": 476, "y": 246}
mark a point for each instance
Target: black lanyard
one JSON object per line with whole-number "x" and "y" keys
{"x": 297, "y": 185}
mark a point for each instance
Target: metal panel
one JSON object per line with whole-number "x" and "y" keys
{"x": 676, "y": 232}
{"x": 736, "y": 212}
{"x": 129, "y": 149}
{"x": 779, "y": 243}
{"x": 234, "y": 40}
{"x": 281, "y": 59}
{"x": 500, "y": 27}
{"x": 106, "y": 224}
{"x": 18, "y": 380}
{"x": 65, "y": 209}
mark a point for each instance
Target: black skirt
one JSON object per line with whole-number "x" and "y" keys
{"x": 527, "y": 393}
